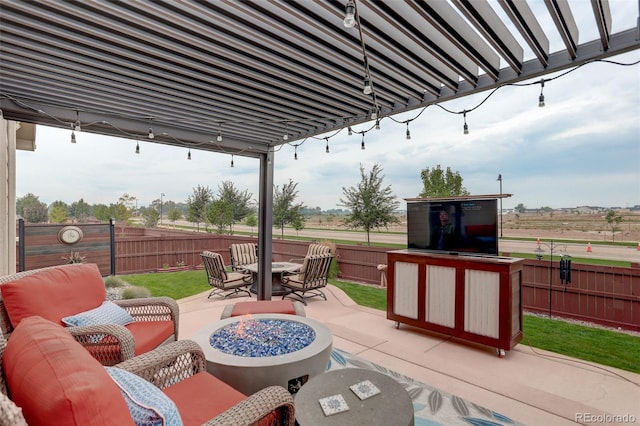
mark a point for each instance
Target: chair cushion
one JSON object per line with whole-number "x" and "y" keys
{"x": 147, "y": 404}
{"x": 54, "y": 293}
{"x": 56, "y": 381}
{"x": 148, "y": 335}
{"x": 201, "y": 397}
{"x": 263, "y": 307}
{"x": 107, "y": 313}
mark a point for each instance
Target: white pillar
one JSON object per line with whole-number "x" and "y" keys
{"x": 8, "y": 131}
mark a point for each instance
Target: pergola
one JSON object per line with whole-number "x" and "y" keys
{"x": 243, "y": 77}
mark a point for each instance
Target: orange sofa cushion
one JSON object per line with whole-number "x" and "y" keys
{"x": 263, "y": 307}
{"x": 202, "y": 397}
{"x": 148, "y": 335}
{"x": 55, "y": 293}
{"x": 56, "y": 381}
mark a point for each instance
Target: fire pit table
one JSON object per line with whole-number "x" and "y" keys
{"x": 256, "y": 351}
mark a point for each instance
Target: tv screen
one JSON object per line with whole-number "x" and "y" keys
{"x": 459, "y": 226}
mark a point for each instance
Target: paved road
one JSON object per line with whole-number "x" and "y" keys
{"x": 630, "y": 254}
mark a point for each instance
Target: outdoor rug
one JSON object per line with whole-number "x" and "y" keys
{"x": 431, "y": 406}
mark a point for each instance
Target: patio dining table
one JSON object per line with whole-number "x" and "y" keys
{"x": 277, "y": 268}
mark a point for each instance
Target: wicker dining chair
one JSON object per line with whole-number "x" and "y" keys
{"x": 224, "y": 283}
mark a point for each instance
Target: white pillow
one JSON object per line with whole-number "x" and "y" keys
{"x": 107, "y": 313}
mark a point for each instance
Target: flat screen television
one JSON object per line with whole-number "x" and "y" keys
{"x": 454, "y": 226}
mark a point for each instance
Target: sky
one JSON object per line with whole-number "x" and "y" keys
{"x": 581, "y": 149}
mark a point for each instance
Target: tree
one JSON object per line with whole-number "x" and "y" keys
{"x": 371, "y": 205}
{"x": 439, "y": 183}
{"x": 58, "y": 214}
{"x": 613, "y": 220}
{"x": 284, "y": 210}
{"x": 220, "y": 214}
{"x": 251, "y": 221}
{"x": 239, "y": 201}
{"x": 102, "y": 212}
{"x": 173, "y": 215}
{"x": 151, "y": 216}
{"x": 197, "y": 204}
{"x": 520, "y": 208}
{"x": 31, "y": 209}
{"x": 80, "y": 210}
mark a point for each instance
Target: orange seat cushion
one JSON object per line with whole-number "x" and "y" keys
{"x": 148, "y": 335}
{"x": 56, "y": 381}
{"x": 202, "y": 397}
{"x": 263, "y": 307}
{"x": 55, "y": 293}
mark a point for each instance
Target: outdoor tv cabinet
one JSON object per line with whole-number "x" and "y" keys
{"x": 475, "y": 298}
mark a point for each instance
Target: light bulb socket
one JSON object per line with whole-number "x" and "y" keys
{"x": 295, "y": 155}
{"x": 377, "y": 124}
{"x": 137, "y": 148}
{"x": 465, "y": 129}
{"x": 326, "y": 149}
{"x": 350, "y": 131}
{"x": 73, "y": 137}
{"x": 189, "y": 155}
{"x": 77, "y": 127}
{"x": 541, "y": 100}
{"x": 408, "y": 134}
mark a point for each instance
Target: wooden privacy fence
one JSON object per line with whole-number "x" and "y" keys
{"x": 600, "y": 294}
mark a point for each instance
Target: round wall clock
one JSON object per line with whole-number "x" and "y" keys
{"x": 70, "y": 235}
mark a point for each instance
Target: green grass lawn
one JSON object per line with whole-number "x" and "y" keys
{"x": 604, "y": 347}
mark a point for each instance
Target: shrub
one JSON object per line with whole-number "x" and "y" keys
{"x": 112, "y": 282}
{"x": 334, "y": 269}
{"x": 135, "y": 292}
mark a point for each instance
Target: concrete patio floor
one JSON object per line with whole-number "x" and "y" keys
{"x": 529, "y": 385}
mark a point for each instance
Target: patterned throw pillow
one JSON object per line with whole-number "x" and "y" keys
{"x": 107, "y": 313}
{"x": 147, "y": 404}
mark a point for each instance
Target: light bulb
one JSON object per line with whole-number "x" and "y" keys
{"x": 285, "y": 137}
{"x": 374, "y": 115}
{"x": 77, "y": 127}
{"x": 137, "y": 148}
{"x": 326, "y": 149}
{"x": 465, "y": 129}
{"x": 151, "y": 135}
{"x": 219, "y": 138}
{"x": 189, "y": 154}
{"x": 73, "y": 137}
{"x": 377, "y": 124}
{"x": 541, "y": 101}
{"x": 232, "y": 161}
{"x": 349, "y": 15}
{"x": 350, "y": 131}
{"x": 367, "y": 86}
{"x": 408, "y": 133}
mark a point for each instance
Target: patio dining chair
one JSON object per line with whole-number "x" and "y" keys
{"x": 224, "y": 283}
{"x": 313, "y": 249}
{"x": 243, "y": 254}
{"x": 307, "y": 282}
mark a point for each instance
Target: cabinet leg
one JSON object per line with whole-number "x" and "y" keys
{"x": 397, "y": 324}
{"x": 500, "y": 352}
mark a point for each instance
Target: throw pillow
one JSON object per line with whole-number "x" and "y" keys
{"x": 147, "y": 404}
{"x": 107, "y": 313}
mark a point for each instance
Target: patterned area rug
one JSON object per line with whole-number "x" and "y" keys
{"x": 431, "y": 406}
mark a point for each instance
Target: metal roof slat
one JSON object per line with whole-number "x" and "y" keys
{"x": 563, "y": 18}
{"x": 529, "y": 27}
{"x": 602, "y": 13}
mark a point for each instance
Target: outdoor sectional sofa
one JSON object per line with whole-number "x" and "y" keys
{"x": 52, "y": 379}
{"x": 75, "y": 295}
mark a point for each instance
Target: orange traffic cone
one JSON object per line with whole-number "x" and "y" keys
{"x": 589, "y": 250}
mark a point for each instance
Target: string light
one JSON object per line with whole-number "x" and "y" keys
{"x": 377, "y": 124}
{"x": 408, "y": 132}
{"x": 349, "y": 15}
{"x": 73, "y": 135}
{"x": 362, "y": 143}
{"x": 137, "y": 147}
{"x": 232, "y": 161}
{"x": 367, "y": 90}
{"x": 151, "y": 135}
{"x": 465, "y": 128}
{"x": 350, "y": 131}
{"x": 327, "y": 147}
{"x": 189, "y": 154}
{"x": 285, "y": 137}
{"x": 219, "y": 138}
{"x": 295, "y": 153}
{"x": 541, "y": 97}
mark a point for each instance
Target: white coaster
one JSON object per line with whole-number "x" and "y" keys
{"x": 365, "y": 389}
{"x": 333, "y": 404}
